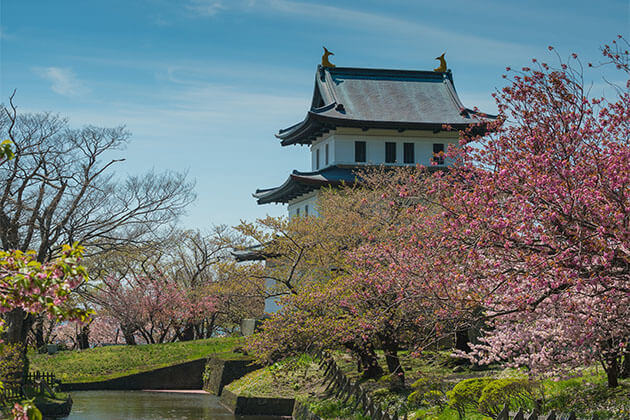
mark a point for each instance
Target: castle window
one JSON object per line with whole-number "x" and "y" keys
{"x": 390, "y": 152}
{"x": 306, "y": 210}
{"x": 297, "y": 212}
{"x": 409, "y": 155}
{"x": 359, "y": 151}
{"x": 317, "y": 159}
{"x": 326, "y": 154}
{"x": 438, "y": 153}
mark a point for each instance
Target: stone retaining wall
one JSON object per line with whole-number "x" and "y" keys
{"x": 182, "y": 376}
{"x": 257, "y": 406}
{"x": 220, "y": 373}
{"x": 301, "y": 412}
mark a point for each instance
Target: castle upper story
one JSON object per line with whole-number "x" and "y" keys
{"x": 371, "y": 117}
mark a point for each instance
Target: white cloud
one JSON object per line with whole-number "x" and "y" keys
{"x": 64, "y": 81}
{"x": 473, "y": 48}
{"x": 206, "y": 7}
{"x": 212, "y": 7}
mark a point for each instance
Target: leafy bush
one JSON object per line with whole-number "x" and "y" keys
{"x": 465, "y": 395}
{"x": 588, "y": 396}
{"x": 427, "y": 391}
{"x": 516, "y": 392}
{"x": 334, "y": 409}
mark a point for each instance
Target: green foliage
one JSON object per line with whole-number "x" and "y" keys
{"x": 516, "y": 392}
{"x": 287, "y": 378}
{"x": 427, "y": 392}
{"x": 108, "y": 362}
{"x": 5, "y": 150}
{"x": 589, "y": 395}
{"x": 465, "y": 395}
{"x": 11, "y": 362}
{"x": 29, "y": 408}
{"x": 332, "y": 408}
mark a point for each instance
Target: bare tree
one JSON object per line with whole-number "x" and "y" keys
{"x": 61, "y": 188}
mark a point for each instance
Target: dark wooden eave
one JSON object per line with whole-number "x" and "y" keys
{"x": 300, "y": 183}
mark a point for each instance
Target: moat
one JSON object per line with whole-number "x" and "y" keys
{"x": 146, "y": 405}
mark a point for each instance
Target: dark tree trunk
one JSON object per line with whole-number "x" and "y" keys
{"x": 18, "y": 323}
{"x": 367, "y": 361}
{"x": 625, "y": 366}
{"x": 188, "y": 333}
{"x": 38, "y": 333}
{"x": 83, "y": 337}
{"x": 461, "y": 340}
{"x": 210, "y": 326}
{"x": 128, "y": 334}
{"x": 612, "y": 371}
{"x": 396, "y": 370}
{"x": 17, "y": 326}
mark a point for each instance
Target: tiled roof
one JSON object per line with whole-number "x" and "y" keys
{"x": 375, "y": 98}
{"x": 300, "y": 183}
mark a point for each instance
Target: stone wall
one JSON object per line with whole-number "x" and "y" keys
{"x": 256, "y": 406}
{"x": 221, "y": 372}
{"x": 301, "y": 412}
{"x": 182, "y": 376}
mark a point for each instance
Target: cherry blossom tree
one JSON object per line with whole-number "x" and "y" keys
{"x": 349, "y": 296}
{"x": 540, "y": 206}
{"x": 526, "y": 236}
{"x": 171, "y": 289}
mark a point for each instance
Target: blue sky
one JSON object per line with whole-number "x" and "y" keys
{"x": 204, "y": 85}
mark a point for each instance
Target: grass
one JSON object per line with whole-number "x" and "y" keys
{"x": 291, "y": 378}
{"x": 586, "y": 394}
{"x": 110, "y": 362}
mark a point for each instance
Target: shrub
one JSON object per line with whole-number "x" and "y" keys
{"x": 427, "y": 392}
{"x": 516, "y": 392}
{"x": 465, "y": 395}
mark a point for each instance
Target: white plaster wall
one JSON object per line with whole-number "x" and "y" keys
{"x": 320, "y": 144}
{"x": 341, "y": 146}
{"x": 301, "y": 202}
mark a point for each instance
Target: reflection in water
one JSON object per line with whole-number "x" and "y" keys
{"x": 145, "y": 405}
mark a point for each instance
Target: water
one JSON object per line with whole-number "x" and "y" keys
{"x": 146, "y": 405}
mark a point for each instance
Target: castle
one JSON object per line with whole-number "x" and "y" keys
{"x": 364, "y": 117}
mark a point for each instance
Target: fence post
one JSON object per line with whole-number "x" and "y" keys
{"x": 503, "y": 414}
{"x": 533, "y": 415}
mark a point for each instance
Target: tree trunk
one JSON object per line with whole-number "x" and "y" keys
{"x": 625, "y": 366}
{"x": 461, "y": 340}
{"x": 130, "y": 338}
{"x": 210, "y": 326}
{"x": 38, "y": 333}
{"x": 18, "y": 324}
{"x": 83, "y": 337}
{"x": 612, "y": 371}
{"x": 367, "y": 362}
{"x": 188, "y": 333}
{"x": 396, "y": 370}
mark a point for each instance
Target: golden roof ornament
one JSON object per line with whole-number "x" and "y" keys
{"x": 325, "y": 62}
{"x": 442, "y": 67}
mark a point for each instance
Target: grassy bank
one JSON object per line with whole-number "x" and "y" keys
{"x": 109, "y": 362}
{"x": 289, "y": 378}
{"x": 586, "y": 393}
{"x": 301, "y": 379}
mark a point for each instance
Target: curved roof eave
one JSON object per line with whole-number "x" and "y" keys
{"x": 299, "y": 183}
